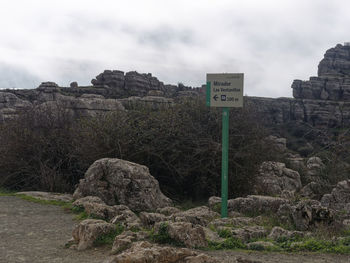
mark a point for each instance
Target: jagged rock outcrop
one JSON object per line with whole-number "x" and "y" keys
{"x": 333, "y": 80}
{"x": 322, "y": 101}
{"x": 117, "y": 181}
{"x": 274, "y": 178}
{"x": 11, "y": 105}
{"x": 339, "y": 198}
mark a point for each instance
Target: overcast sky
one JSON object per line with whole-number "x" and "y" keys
{"x": 271, "y": 42}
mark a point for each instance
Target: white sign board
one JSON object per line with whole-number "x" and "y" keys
{"x": 225, "y": 90}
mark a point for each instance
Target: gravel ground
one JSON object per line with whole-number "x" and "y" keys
{"x": 31, "y": 232}
{"x": 35, "y": 233}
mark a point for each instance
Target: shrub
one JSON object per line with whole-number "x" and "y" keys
{"x": 36, "y": 151}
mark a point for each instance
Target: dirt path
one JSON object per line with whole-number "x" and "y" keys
{"x": 31, "y": 232}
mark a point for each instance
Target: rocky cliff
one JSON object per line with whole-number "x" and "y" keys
{"x": 322, "y": 101}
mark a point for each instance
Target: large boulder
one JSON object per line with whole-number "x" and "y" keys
{"x": 117, "y": 181}
{"x": 274, "y": 178}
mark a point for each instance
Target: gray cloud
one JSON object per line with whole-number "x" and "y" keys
{"x": 12, "y": 77}
{"x": 272, "y": 42}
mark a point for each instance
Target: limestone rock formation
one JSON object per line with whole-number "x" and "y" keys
{"x": 199, "y": 216}
{"x": 191, "y": 235}
{"x": 274, "y": 178}
{"x": 117, "y": 181}
{"x": 11, "y": 105}
{"x": 311, "y": 213}
{"x": 333, "y": 81}
{"x": 89, "y": 230}
{"x": 256, "y": 204}
{"x": 339, "y": 198}
{"x": 145, "y": 252}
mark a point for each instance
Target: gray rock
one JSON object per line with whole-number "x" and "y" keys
{"x": 248, "y": 233}
{"x": 89, "y": 230}
{"x": 199, "y": 216}
{"x": 310, "y": 213}
{"x": 149, "y": 219}
{"x": 339, "y": 198}
{"x": 192, "y": 236}
{"x": 169, "y": 210}
{"x": 274, "y": 178}
{"x": 145, "y": 252}
{"x": 117, "y": 181}
{"x": 256, "y": 204}
{"x": 74, "y": 84}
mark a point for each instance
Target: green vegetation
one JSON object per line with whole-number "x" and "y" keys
{"x": 162, "y": 236}
{"x": 229, "y": 243}
{"x": 108, "y": 239}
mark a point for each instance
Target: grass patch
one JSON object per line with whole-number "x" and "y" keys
{"x": 162, "y": 236}
{"x": 108, "y": 239}
{"x": 5, "y": 192}
{"x": 44, "y": 202}
{"x": 229, "y": 243}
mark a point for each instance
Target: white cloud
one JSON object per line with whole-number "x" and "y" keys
{"x": 272, "y": 42}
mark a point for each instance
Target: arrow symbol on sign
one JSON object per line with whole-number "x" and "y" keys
{"x": 215, "y": 97}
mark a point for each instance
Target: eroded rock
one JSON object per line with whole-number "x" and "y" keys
{"x": 145, "y": 252}
{"x": 199, "y": 216}
{"x": 117, "y": 181}
{"x": 274, "y": 179}
{"x": 256, "y": 204}
{"x": 89, "y": 230}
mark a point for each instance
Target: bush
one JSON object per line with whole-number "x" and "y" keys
{"x": 36, "y": 151}
{"x": 47, "y": 149}
{"x": 181, "y": 146}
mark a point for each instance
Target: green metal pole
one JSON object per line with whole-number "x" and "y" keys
{"x": 224, "y": 164}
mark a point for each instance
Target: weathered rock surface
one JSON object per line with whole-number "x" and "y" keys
{"x": 124, "y": 240}
{"x": 199, "y": 216}
{"x": 322, "y": 101}
{"x": 94, "y": 206}
{"x": 310, "y": 213}
{"x": 169, "y": 210}
{"x": 11, "y": 105}
{"x": 149, "y": 219}
{"x": 192, "y": 236}
{"x": 89, "y": 230}
{"x": 117, "y": 181}
{"x": 339, "y": 198}
{"x": 126, "y": 217}
{"x": 274, "y": 178}
{"x": 315, "y": 190}
{"x": 145, "y": 252}
{"x": 250, "y": 232}
{"x": 256, "y": 204}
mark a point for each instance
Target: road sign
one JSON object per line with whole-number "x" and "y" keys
{"x": 225, "y": 90}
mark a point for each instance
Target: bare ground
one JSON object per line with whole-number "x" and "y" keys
{"x": 31, "y": 232}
